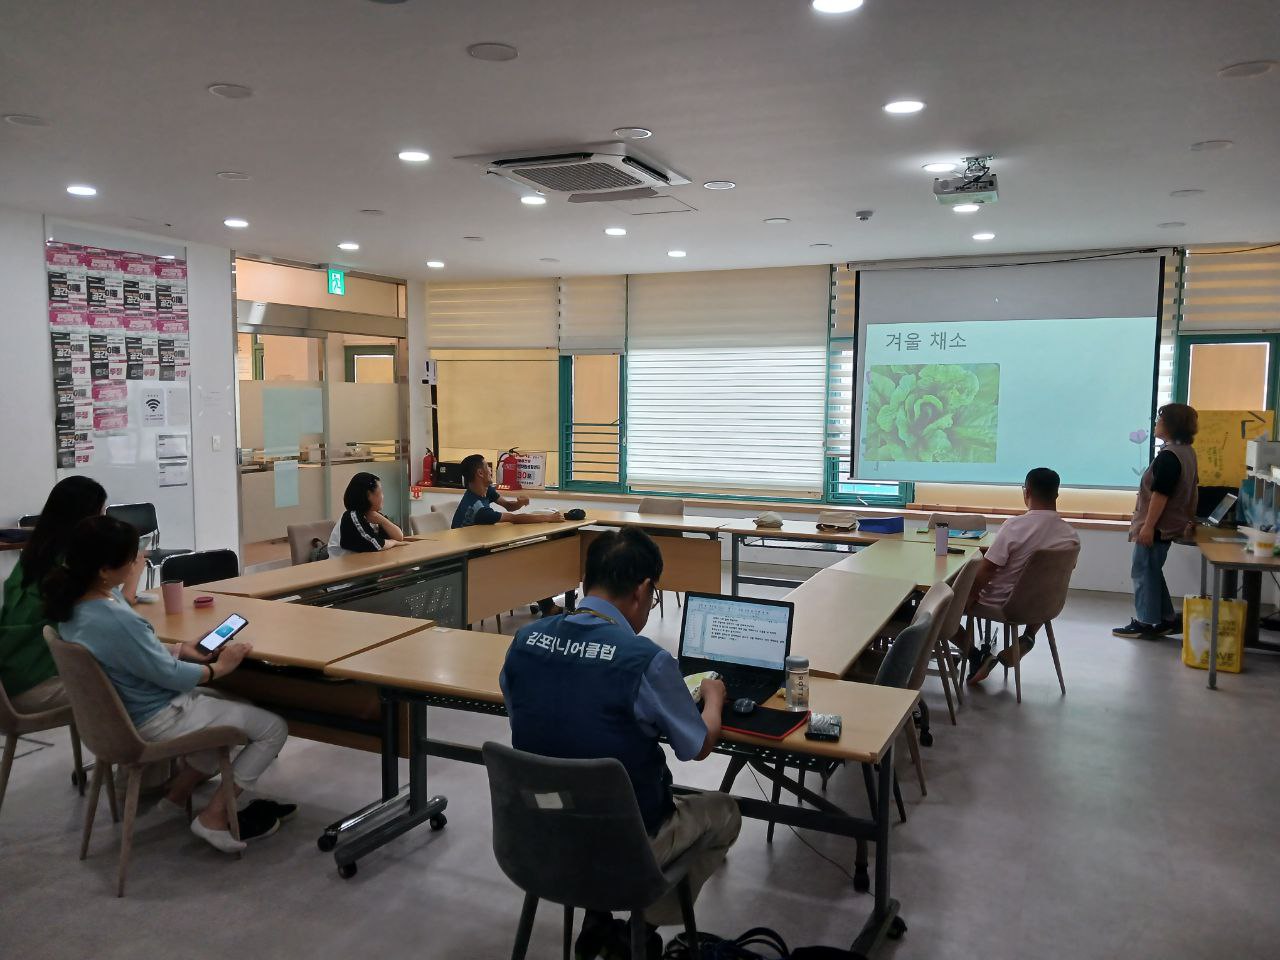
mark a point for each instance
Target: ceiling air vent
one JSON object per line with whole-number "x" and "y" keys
{"x": 596, "y": 168}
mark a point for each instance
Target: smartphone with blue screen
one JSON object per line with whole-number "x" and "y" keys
{"x": 222, "y": 634}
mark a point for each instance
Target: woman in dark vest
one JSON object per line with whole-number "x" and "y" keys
{"x": 1165, "y": 511}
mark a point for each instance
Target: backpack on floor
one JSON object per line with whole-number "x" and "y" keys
{"x": 758, "y": 943}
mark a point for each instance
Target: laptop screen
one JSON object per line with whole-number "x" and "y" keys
{"x": 1221, "y": 509}
{"x": 736, "y": 630}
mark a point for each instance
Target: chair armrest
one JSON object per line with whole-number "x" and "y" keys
{"x": 211, "y": 738}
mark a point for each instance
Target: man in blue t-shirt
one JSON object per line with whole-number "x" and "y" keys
{"x": 586, "y": 685}
{"x": 476, "y": 508}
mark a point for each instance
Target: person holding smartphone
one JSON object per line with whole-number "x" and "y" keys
{"x": 363, "y": 528}
{"x": 163, "y": 687}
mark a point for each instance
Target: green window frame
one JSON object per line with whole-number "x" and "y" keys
{"x": 570, "y": 430}
{"x": 1182, "y": 364}
{"x": 349, "y": 355}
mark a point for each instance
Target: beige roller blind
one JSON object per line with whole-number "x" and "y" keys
{"x": 1231, "y": 287}
{"x": 492, "y": 314}
{"x": 593, "y": 314}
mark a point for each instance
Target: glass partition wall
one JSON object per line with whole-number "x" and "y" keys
{"x": 316, "y": 407}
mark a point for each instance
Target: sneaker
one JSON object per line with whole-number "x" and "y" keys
{"x": 218, "y": 839}
{"x": 984, "y": 669}
{"x": 597, "y": 930}
{"x": 1173, "y": 626}
{"x": 976, "y": 656}
{"x": 262, "y": 807}
{"x": 1025, "y": 643}
{"x": 257, "y": 823}
{"x": 1137, "y": 630}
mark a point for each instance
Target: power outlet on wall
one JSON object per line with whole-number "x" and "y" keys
{"x": 216, "y": 442}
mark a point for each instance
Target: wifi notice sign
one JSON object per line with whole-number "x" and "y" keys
{"x": 152, "y": 402}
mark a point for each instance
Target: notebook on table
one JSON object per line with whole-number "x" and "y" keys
{"x": 744, "y": 639}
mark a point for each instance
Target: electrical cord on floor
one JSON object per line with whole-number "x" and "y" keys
{"x": 834, "y": 863}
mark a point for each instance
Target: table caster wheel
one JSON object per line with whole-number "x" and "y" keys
{"x": 438, "y": 821}
{"x": 861, "y": 880}
{"x": 897, "y": 927}
{"x": 346, "y": 870}
{"x": 926, "y": 739}
{"x": 326, "y": 842}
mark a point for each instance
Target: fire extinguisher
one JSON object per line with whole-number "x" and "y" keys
{"x": 509, "y": 470}
{"x": 428, "y": 468}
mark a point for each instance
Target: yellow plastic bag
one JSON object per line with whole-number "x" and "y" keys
{"x": 1197, "y": 613}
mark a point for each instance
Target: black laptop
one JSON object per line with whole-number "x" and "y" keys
{"x": 744, "y": 639}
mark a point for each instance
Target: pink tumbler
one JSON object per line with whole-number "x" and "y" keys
{"x": 171, "y": 591}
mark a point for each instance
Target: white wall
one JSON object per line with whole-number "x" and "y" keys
{"x": 420, "y": 437}
{"x": 26, "y": 395}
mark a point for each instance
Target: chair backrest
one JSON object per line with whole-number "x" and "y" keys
{"x": 667, "y": 506}
{"x": 959, "y": 521}
{"x": 961, "y": 586}
{"x": 141, "y": 515}
{"x": 203, "y": 566}
{"x": 300, "y": 536}
{"x": 421, "y": 523}
{"x": 899, "y": 662}
{"x": 101, "y": 719}
{"x": 570, "y": 831}
{"x": 447, "y": 507}
{"x": 29, "y": 521}
{"x": 937, "y": 603}
{"x": 1040, "y": 592}
{"x": 8, "y": 714}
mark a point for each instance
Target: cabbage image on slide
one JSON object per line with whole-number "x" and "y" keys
{"x": 932, "y": 412}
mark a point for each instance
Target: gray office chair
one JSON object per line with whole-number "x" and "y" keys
{"x": 203, "y": 566}
{"x": 421, "y": 523}
{"x": 569, "y": 831}
{"x": 144, "y": 519}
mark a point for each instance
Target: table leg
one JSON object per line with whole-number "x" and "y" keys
{"x": 390, "y": 748}
{"x": 884, "y": 920}
{"x": 1251, "y": 593}
{"x": 1204, "y": 575}
{"x": 734, "y": 544}
{"x": 1213, "y": 628}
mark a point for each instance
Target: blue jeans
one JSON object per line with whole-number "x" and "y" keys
{"x": 1150, "y": 592}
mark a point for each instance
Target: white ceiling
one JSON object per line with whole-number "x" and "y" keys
{"x": 1090, "y": 107}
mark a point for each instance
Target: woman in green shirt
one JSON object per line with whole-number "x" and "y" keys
{"x": 26, "y": 666}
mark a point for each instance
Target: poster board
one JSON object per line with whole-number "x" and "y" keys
{"x": 120, "y": 369}
{"x": 1221, "y": 440}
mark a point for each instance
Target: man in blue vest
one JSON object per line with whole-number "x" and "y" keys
{"x": 586, "y": 685}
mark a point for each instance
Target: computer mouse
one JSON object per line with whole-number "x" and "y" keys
{"x": 743, "y": 706}
{"x": 577, "y": 513}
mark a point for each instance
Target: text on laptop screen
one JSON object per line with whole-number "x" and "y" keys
{"x": 735, "y": 631}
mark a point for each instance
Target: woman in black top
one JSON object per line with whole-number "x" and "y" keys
{"x": 363, "y": 528}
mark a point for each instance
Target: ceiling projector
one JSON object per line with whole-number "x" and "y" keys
{"x": 976, "y": 185}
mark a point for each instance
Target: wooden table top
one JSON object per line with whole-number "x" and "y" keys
{"x": 902, "y": 560}
{"x": 839, "y": 613}
{"x": 655, "y": 521}
{"x": 465, "y": 663}
{"x": 798, "y": 530}
{"x": 290, "y": 634}
{"x": 466, "y": 539}
{"x": 1233, "y": 552}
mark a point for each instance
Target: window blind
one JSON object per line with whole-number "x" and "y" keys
{"x": 1170, "y": 314}
{"x": 1231, "y": 287}
{"x": 593, "y": 314}
{"x": 726, "y": 377}
{"x": 495, "y": 314}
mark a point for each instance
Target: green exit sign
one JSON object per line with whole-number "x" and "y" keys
{"x": 337, "y": 282}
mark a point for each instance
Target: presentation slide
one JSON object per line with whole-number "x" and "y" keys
{"x": 985, "y": 401}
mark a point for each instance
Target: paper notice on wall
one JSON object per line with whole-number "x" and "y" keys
{"x": 1221, "y": 441}
{"x": 110, "y": 417}
{"x": 171, "y": 446}
{"x": 66, "y": 448}
{"x": 60, "y": 341}
{"x": 179, "y": 411}
{"x": 168, "y": 360}
{"x": 152, "y": 401}
{"x": 174, "y": 473}
{"x": 122, "y": 449}
{"x": 214, "y": 401}
{"x": 286, "y": 482}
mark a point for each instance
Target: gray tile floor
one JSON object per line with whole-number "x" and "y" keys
{"x": 1136, "y": 817}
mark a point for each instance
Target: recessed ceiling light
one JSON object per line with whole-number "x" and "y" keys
{"x": 775, "y": 221}
{"x": 940, "y": 166}
{"x": 984, "y": 236}
{"x": 676, "y": 253}
{"x": 966, "y": 208}
{"x": 836, "y": 6}
{"x": 819, "y": 244}
{"x": 348, "y": 245}
{"x": 615, "y": 231}
{"x": 548, "y": 260}
{"x": 904, "y": 106}
{"x": 233, "y": 175}
{"x": 168, "y": 256}
{"x": 372, "y": 212}
{"x": 26, "y": 120}
{"x": 235, "y": 223}
{"x": 719, "y": 184}
{"x": 1170, "y": 224}
{"x": 435, "y": 264}
{"x": 1195, "y": 192}
{"x": 414, "y": 156}
{"x": 493, "y": 51}
{"x": 1250, "y": 68}
{"x": 230, "y": 91}
{"x": 1207, "y": 145}
{"x": 82, "y": 190}
{"x": 474, "y": 239}
{"x": 633, "y": 133}
{"x": 533, "y": 200}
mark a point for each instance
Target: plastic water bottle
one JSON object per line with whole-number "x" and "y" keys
{"x": 940, "y": 534}
{"x": 798, "y": 684}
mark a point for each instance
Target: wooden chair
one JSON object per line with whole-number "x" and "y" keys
{"x": 959, "y": 521}
{"x": 110, "y": 734}
{"x": 1038, "y": 597}
{"x": 14, "y": 724}
{"x": 956, "y": 633}
{"x": 447, "y": 507}
{"x": 300, "y": 536}
{"x": 666, "y": 507}
{"x": 421, "y": 523}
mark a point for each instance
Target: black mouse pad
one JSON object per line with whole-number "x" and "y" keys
{"x": 764, "y": 722}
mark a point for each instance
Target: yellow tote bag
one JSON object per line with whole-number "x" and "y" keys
{"x": 1197, "y": 613}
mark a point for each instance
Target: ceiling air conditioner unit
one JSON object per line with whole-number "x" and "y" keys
{"x": 593, "y": 168}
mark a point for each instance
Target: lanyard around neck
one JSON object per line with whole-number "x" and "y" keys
{"x": 596, "y": 613}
